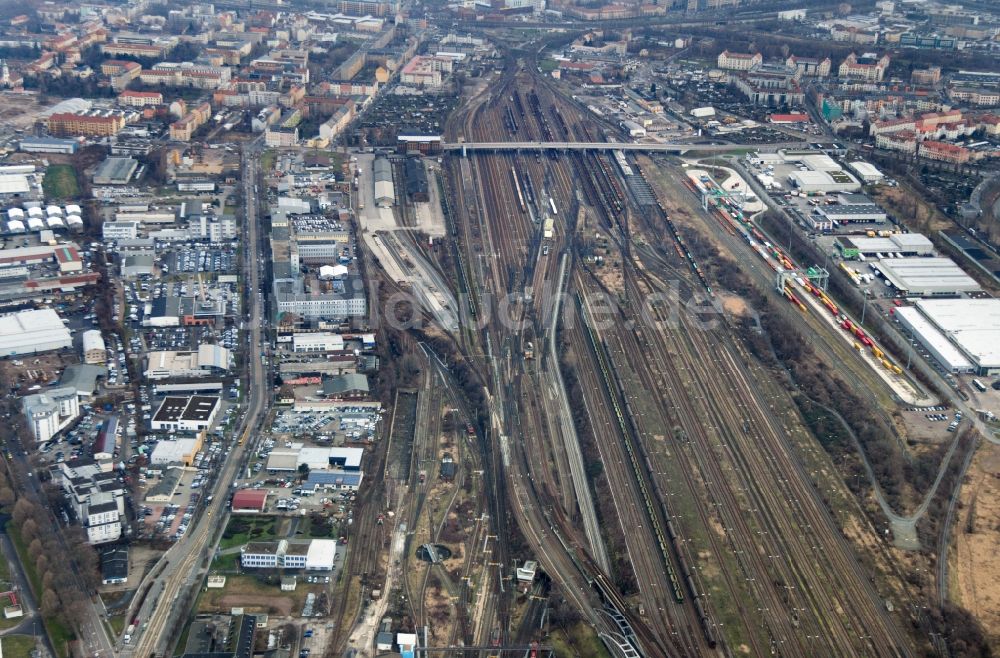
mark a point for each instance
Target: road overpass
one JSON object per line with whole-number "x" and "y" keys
{"x": 614, "y": 146}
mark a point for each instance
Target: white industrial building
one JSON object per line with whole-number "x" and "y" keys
{"x": 936, "y": 343}
{"x": 31, "y": 332}
{"x": 866, "y": 171}
{"x": 317, "y": 459}
{"x": 823, "y": 181}
{"x": 176, "y": 451}
{"x": 209, "y": 359}
{"x": 94, "y": 350}
{"x": 897, "y": 244}
{"x": 322, "y": 554}
{"x": 317, "y": 342}
{"x": 50, "y": 412}
{"x": 962, "y": 334}
{"x": 926, "y": 277}
{"x": 385, "y": 193}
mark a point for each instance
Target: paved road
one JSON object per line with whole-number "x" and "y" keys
{"x": 182, "y": 564}
{"x": 32, "y": 622}
{"x": 91, "y": 630}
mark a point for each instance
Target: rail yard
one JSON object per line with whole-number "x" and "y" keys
{"x": 719, "y": 538}
{"x": 501, "y": 329}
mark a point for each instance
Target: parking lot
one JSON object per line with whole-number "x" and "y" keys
{"x": 343, "y": 424}
{"x": 220, "y": 261}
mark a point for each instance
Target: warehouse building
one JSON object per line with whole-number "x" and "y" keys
{"x": 32, "y": 332}
{"x": 926, "y": 277}
{"x": 323, "y": 341}
{"x": 191, "y": 414}
{"x": 385, "y": 193}
{"x": 972, "y": 326}
{"x": 416, "y": 181}
{"x": 867, "y": 172}
{"x": 317, "y": 459}
{"x": 249, "y": 501}
{"x": 962, "y": 334}
{"x": 823, "y": 181}
{"x": 897, "y": 244}
{"x": 48, "y": 145}
{"x": 176, "y": 451}
{"x": 116, "y": 171}
{"x": 836, "y": 214}
{"x": 94, "y": 350}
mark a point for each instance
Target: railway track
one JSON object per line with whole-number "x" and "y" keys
{"x": 679, "y": 354}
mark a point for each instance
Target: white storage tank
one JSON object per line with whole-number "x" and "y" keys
{"x": 36, "y": 212}
{"x": 54, "y": 211}
{"x": 74, "y": 220}
{"x": 15, "y": 213}
{"x": 56, "y": 222}
{"x": 73, "y": 209}
{"x": 35, "y": 224}
{"x": 15, "y": 226}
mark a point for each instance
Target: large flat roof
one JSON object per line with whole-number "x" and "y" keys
{"x": 196, "y": 407}
{"x": 321, "y": 554}
{"x": 927, "y": 275}
{"x": 939, "y": 344}
{"x": 22, "y": 332}
{"x": 200, "y": 407}
{"x": 972, "y": 324}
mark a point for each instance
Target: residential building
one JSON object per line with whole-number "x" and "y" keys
{"x": 425, "y": 71}
{"x": 50, "y": 412}
{"x": 140, "y": 98}
{"x": 866, "y": 67}
{"x": 184, "y": 128}
{"x": 928, "y": 76}
{"x": 86, "y": 125}
{"x": 770, "y": 85}
{"x": 739, "y": 61}
{"x": 338, "y": 121}
{"x": 943, "y": 151}
{"x": 278, "y": 137}
{"x": 976, "y": 97}
{"x": 809, "y": 66}
{"x": 96, "y": 495}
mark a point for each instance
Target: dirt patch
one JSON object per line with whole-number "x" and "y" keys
{"x": 437, "y": 613}
{"x": 975, "y": 572}
{"x": 733, "y": 304}
{"x": 277, "y": 605}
